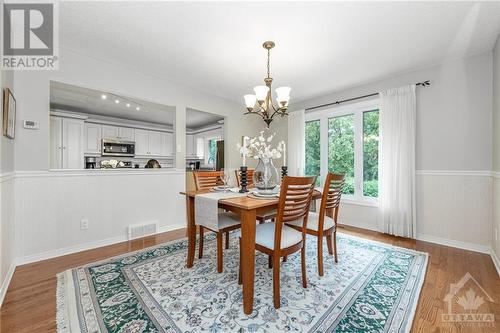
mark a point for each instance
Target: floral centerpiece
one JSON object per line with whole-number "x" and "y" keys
{"x": 265, "y": 175}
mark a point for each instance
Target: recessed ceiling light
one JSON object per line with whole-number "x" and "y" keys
{"x": 137, "y": 108}
{"x": 117, "y": 101}
{"x": 128, "y": 105}
{"x": 104, "y": 96}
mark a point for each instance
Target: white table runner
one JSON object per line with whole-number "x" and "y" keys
{"x": 206, "y": 207}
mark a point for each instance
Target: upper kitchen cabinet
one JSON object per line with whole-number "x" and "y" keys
{"x": 117, "y": 133}
{"x": 153, "y": 143}
{"x": 66, "y": 143}
{"x": 190, "y": 146}
{"x": 92, "y": 138}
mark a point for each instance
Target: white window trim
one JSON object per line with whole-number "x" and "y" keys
{"x": 342, "y": 110}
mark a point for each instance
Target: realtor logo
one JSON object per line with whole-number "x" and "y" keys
{"x": 30, "y": 41}
{"x": 466, "y": 303}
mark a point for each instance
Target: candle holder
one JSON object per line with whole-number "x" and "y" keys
{"x": 243, "y": 179}
{"x": 284, "y": 171}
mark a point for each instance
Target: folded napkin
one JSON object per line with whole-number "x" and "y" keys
{"x": 206, "y": 208}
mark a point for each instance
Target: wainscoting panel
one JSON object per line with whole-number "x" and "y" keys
{"x": 6, "y": 231}
{"x": 455, "y": 206}
{"x": 51, "y": 205}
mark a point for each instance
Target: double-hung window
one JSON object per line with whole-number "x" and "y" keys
{"x": 345, "y": 140}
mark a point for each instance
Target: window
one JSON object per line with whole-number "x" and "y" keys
{"x": 211, "y": 150}
{"x": 345, "y": 140}
{"x": 370, "y": 153}
{"x": 312, "y": 167}
{"x": 341, "y": 149}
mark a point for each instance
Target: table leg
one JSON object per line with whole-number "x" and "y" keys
{"x": 248, "y": 220}
{"x": 191, "y": 231}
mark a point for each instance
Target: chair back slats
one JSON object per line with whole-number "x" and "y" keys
{"x": 332, "y": 192}
{"x": 206, "y": 180}
{"x": 249, "y": 177}
{"x": 295, "y": 199}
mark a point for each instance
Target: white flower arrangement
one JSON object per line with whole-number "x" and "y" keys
{"x": 261, "y": 147}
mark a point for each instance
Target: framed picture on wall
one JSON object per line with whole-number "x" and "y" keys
{"x": 9, "y": 114}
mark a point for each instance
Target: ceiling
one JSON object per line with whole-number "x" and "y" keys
{"x": 79, "y": 99}
{"x": 196, "y": 119}
{"x": 321, "y": 47}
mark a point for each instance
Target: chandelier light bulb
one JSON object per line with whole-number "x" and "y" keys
{"x": 250, "y": 101}
{"x": 128, "y": 105}
{"x": 138, "y": 108}
{"x": 261, "y": 93}
{"x": 283, "y": 95}
{"x": 117, "y": 101}
{"x": 104, "y": 96}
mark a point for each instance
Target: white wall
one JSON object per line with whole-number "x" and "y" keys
{"x": 454, "y": 143}
{"x": 496, "y": 151}
{"x": 6, "y": 195}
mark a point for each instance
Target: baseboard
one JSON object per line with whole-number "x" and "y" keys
{"x": 358, "y": 225}
{"x": 84, "y": 247}
{"x": 6, "y": 282}
{"x": 496, "y": 261}
{"x": 454, "y": 243}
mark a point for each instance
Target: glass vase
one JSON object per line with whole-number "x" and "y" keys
{"x": 265, "y": 175}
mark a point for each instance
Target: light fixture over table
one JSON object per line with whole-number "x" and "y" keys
{"x": 262, "y": 102}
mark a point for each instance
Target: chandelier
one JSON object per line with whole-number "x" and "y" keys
{"x": 262, "y": 102}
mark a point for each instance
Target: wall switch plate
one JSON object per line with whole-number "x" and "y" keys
{"x": 84, "y": 224}
{"x": 31, "y": 124}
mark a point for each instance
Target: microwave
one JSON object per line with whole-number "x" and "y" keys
{"x": 117, "y": 148}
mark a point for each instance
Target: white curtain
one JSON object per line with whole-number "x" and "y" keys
{"x": 296, "y": 142}
{"x": 397, "y": 161}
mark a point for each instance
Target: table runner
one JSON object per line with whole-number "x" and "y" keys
{"x": 206, "y": 207}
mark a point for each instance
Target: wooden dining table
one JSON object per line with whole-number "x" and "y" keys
{"x": 247, "y": 208}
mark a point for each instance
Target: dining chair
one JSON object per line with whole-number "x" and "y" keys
{"x": 321, "y": 225}
{"x": 261, "y": 217}
{"x": 227, "y": 221}
{"x": 277, "y": 239}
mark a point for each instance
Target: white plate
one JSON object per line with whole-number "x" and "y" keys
{"x": 266, "y": 195}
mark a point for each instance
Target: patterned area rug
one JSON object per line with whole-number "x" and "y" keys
{"x": 374, "y": 288}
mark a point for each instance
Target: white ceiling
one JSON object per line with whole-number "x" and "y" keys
{"x": 196, "y": 119}
{"x": 79, "y": 99}
{"x": 320, "y": 46}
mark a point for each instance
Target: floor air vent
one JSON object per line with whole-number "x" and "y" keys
{"x": 142, "y": 230}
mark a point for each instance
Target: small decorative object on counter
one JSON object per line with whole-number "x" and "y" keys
{"x": 284, "y": 171}
{"x": 243, "y": 179}
{"x": 153, "y": 164}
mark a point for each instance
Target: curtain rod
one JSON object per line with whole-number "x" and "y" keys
{"x": 423, "y": 84}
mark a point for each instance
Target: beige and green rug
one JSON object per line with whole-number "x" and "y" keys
{"x": 374, "y": 288}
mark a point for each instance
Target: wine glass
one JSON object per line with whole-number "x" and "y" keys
{"x": 225, "y": 175}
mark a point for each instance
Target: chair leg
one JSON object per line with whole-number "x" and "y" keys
{"x": 200, "y": 244}
{"x": 240, "y": 279}
{"x": 329, "y": 243}
{"x": 276, "y": 281}
{"x": 270, "y": 261}
{"x": 335, "y": 246}
{"x": 303, "y": 264}
{"x": 320, "y": 255}
{"x": 227, "y": 240}
{"x": 219, "y": 252}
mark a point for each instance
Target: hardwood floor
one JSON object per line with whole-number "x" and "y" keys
{"x": 30, "y": 303}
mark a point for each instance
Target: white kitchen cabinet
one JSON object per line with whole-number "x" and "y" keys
{"x": 153, "y": 143}
{"x": 167, "y": 144}
{"x": 190, "y": 152}
{"x": 92, "y": 138}
{"x": 141, "y": 142}
{"x": 126, "y": 134}
{"x": 110, "y": 132}
{"x": 66, "y": 139}
{"x": 117, "y": 133}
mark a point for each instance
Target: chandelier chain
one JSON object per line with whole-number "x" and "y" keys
{"x": 268, "y": 59}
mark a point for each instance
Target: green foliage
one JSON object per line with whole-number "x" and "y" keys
{"x": 370, "y": 153}
{"x": 341, "y": 150}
